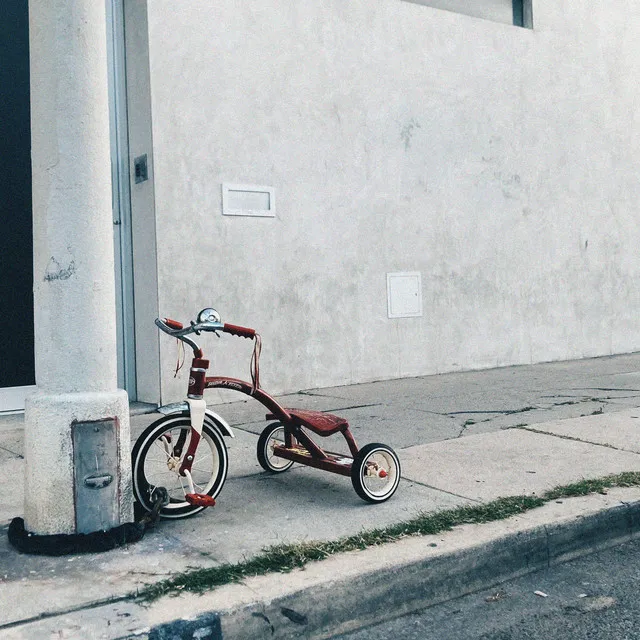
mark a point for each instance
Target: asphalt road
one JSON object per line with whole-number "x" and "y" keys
{"x": 596, "y": 597}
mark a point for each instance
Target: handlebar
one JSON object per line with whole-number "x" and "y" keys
{"x": 243, "y": 332}
{"x": 209, "y": 320}
{"x": 173, "y": 324}
{"x": 177, "y": 330}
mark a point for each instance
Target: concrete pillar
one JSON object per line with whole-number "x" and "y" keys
{"x": 74, "y": 286}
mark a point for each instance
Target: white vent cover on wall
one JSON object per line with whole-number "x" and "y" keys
{"x": 404, "y": 294}
{"x": 248, "y": 200}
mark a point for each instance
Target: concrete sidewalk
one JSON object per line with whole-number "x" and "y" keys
{"x": 463, "y": 438}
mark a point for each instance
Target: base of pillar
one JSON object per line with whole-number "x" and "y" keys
{"x": 68, "y": 544}
{"x": 77, "y": 463}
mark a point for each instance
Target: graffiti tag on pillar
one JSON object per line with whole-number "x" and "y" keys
{"x": 55, "y": 271}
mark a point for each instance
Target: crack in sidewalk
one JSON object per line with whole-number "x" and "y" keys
{"x": 502, "y": 412}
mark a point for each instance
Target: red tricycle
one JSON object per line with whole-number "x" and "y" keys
{"x": 184, "y": 451}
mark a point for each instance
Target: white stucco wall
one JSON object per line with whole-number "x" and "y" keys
{"x": 499, "y": 162}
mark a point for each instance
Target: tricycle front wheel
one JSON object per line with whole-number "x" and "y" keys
{"x": 375, "y": 472}
{"x": 157, "y": 456}
{"x": 272, "y": 435}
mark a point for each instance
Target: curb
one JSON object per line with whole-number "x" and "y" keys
{"x": 351, "y": 590}
{"x": 339, "y": 606}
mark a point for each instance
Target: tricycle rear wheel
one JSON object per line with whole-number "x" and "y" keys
{"x": 375, "y": 472}
{"x": 271, "y": 436}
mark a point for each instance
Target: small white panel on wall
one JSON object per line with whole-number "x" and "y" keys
{"x": 248, "y": 200}
{"x": 404, "y": 294}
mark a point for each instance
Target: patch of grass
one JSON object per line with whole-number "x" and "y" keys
{"x": 585, "y": 487}
{"x": 287, "y": 557}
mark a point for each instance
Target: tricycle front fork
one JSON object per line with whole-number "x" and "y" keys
{"x": 197, "y": 410}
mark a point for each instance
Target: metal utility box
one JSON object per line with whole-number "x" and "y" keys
{"x": 95, "y": 458}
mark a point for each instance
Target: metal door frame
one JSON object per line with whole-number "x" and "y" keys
{"x": 120, "y": 175}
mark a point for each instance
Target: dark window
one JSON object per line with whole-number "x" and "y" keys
{"x": 16, "y": 244}
{"x": 517, "y": 12}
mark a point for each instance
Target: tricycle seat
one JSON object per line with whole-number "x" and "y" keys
{"x": 324, "y": 424}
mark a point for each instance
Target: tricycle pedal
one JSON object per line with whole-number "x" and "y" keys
{"x": 199, "y": 499}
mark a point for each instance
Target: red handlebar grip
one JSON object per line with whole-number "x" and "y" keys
{"x": 243, "y": 332}
{"x": 173, "y": 324}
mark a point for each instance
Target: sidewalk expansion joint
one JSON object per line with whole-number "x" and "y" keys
{"x": 242, "y": 426}
{"x": 450, "y": 493}
{"x": 13, "y": 453}
{"x": 94, "y": 604}
{"x": 571, "y": 438}
{"x": 355, "y": 406}
{"x": 605, "y": 389}
{"x": 320, "y": 395}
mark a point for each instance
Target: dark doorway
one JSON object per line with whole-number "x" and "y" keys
{"x": 16, "y": 244}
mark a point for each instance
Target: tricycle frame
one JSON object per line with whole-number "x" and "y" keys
{"x": 294, "y": 432}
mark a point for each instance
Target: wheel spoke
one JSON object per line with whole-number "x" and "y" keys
{"x": 159, "y": 460}
{"x": 201, "y": 470}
